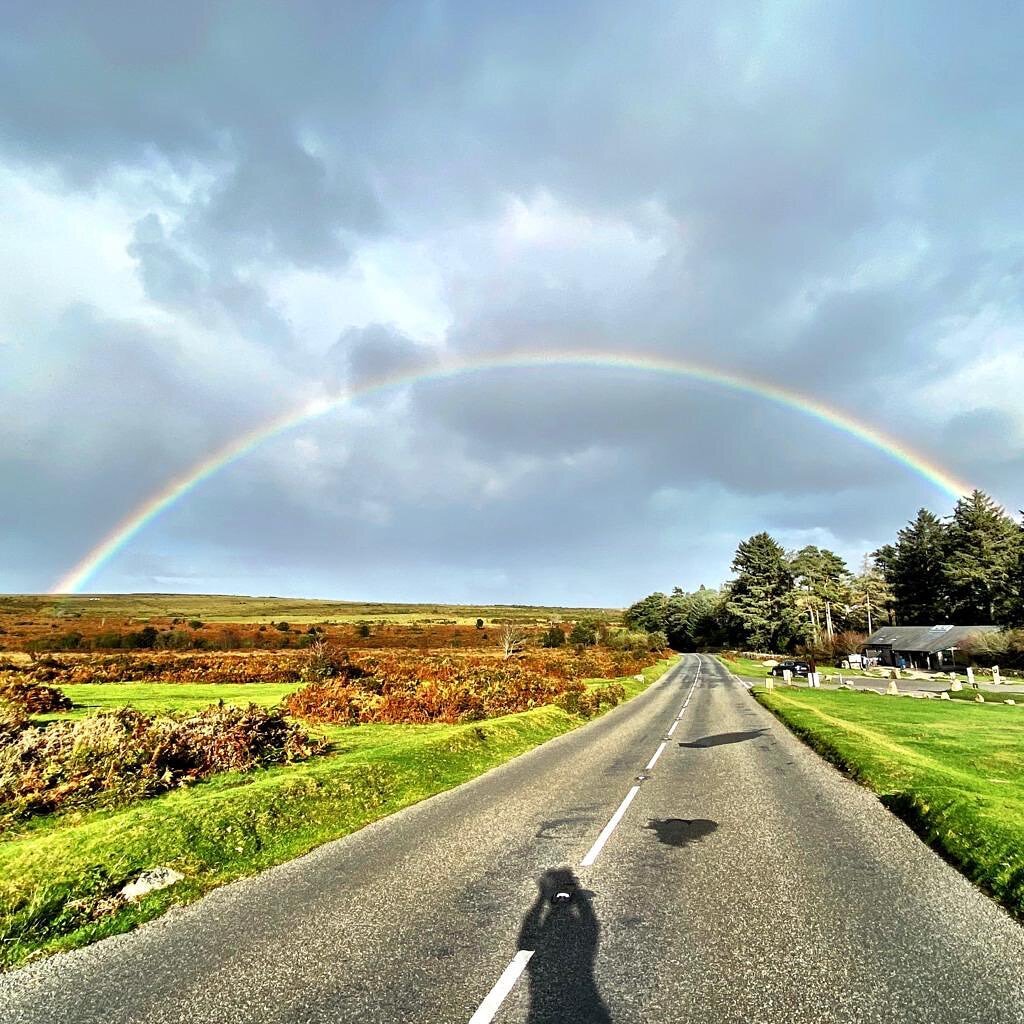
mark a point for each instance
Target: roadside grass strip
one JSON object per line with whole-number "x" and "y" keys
{"x": 58, "y": 874}
{"x": 953, "y": 771}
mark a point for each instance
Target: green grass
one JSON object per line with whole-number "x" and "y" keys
{"x": 754, "y": 669}
{"x": 953, "y": 771}
{"x": 748, "y": 667}
{"x": 57, "y": 871}
{"x": 154, "y": 698}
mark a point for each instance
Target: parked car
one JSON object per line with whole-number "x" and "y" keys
{"x": 798, "y": 668}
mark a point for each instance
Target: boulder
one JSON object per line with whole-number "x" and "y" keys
{"x": 956, "y": 686}
{"x": 979, "y": 699}
{"x": 1009, "y": 700}
{"x": 944, "y": 696}
{"x": 150, "y": 881}
{"x": 892, "y": 689}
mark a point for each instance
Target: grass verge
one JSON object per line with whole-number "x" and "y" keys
{"x": 57, "y": 876}
{"x": 953, "y": 772}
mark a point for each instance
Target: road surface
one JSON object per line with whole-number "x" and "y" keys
{"x": 744, "y": 880}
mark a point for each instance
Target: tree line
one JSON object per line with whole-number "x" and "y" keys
{"x": 966, "y": 569}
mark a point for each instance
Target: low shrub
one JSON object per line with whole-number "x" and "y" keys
{"x": 445, "y": 691}
{"x": 33, "y": 698}
{"x": 112, "y": 758}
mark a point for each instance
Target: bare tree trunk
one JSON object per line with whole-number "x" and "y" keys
{"x": 512, "y": 641}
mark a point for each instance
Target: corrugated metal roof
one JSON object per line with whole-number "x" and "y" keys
{"x": 923, "y": 639}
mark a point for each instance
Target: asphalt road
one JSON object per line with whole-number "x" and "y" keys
{"x": 746, "y": 881}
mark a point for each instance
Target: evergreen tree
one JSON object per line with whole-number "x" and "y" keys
{"x": 759, "y": 596}
{"x": 697, "y": 620}
{"x": 981, "y": 558}
{"x": 1013, "y": 613}
{"x": 870, "y": 598}
{"x": 553, "y": 636}
{"x": 649, "y": 614}
{"x": 913, "y": 568}
{"x": 822, "y": 589}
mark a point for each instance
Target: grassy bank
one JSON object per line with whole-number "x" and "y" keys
{"x": 58, "y": 874}
{"x": 953, "y": 771}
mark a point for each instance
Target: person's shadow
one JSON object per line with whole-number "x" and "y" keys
{"x": 562, "y": 930}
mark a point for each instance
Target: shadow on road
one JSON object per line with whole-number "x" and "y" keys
{"x": 681, "y": 831}
{"x": 562, "y": 930}
{"x": 722, "y": 738}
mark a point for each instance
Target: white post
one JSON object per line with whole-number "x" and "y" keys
{"x": 996, "y": 678}
{"x": 787, "y": 676}
{"x": 970, "y": 677}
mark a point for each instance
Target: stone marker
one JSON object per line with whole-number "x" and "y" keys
{"x": 970, "y": 676}
{"x": 787, "y": 676}
{"x": 892, "y": 690}
{"x": 944, "y": 696}
{"x": 150, "y": 881}
{"x": 1009, "y": 700}
{"x": 769, "y": 682}
{"x": 979, "y": 699}
{"x": 952, "y": 677}
{"x": 996, "y": 677}
{"x": 956, "y": 685}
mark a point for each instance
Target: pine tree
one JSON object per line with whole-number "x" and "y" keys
{"x": 760, "y": 594}
{"x": 1013, "y": 613}
{"x": 981, "y": 558}
{"x": 649, "y": 614}
{"x": 822, "y": 589}
{"x": 870, "y": 597}
{"x": 913, "y": 568}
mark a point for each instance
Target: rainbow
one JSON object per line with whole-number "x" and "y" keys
{"x": 178, "y": 487}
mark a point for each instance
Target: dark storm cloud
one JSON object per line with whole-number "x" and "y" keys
{"x": 815, "y": 196}
{"x": 172, "y": 277}
{"x": 363, "y": 355}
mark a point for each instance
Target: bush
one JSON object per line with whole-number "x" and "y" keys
{"x": 583, "y": 633}
{"x": 326, "y": 662}
{"x": 553, "y": 636}
{"x": 452, "y": 690}
{"x": 334, "y": 702}
{"x": 33, "y": 698}
{"x": 12, "y": 720}
{"x": 112, "y": 758}
{"x": 578, "y": 700}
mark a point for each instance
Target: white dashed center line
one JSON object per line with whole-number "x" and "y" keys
{"x": 654, "y": 760}
{"x": 490, "y": 1006}
{"x": 609, "y": 828}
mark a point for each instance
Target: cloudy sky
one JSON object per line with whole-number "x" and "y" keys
{"x": 212, "y": 213}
